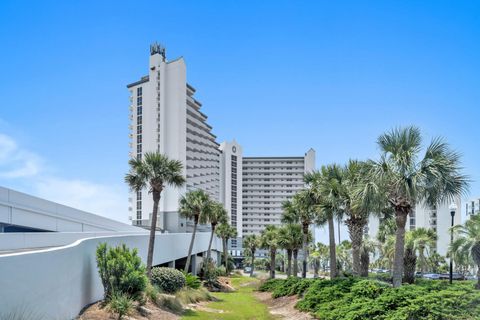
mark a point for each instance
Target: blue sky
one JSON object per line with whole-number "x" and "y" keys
{"x": 279, "y": 76}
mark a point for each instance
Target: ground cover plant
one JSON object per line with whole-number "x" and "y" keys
{"x": 355, "y": 298}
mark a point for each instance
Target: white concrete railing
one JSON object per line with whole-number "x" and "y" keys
{"x": 57, "y": 283}
{"x": 29, "y": 240}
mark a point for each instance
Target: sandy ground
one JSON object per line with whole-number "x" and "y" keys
{"x": 94, "y": 312}
{"x": 284, "y": 307}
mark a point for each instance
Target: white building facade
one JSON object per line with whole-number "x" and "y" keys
{"x": 437, "y": 218}
{"x": 165, "y": 117}
{"x": 472, "y": 207}
{"x": 267, "y": 183}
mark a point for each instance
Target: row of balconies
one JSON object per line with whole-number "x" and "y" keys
{"x": 252, "y": 166}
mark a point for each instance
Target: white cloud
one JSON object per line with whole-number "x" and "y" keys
{"x": 25, "y": 168}
{"x": 16, "y": 162}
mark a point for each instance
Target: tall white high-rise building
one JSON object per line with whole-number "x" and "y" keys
{"x": 165, "y": 117}
{"x": 267, "y": 183}
{"x": 472, "y": 207}
{"x": 231, "y": 190}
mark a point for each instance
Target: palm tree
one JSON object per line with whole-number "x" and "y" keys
{"x": 216, "y": 215}
{"x": 194, "y": 205}
{"x": 423, "y": 239}
{"x": 290, "y": 238}
{"x": 368, "y": 247}
{"x": 403, "y": 180}
{"x": 250, "y": 243}
{"x": 155, "y": 172}
{"x": 301, "y": 210}
{"x": 226, "y": 232}
{"x": 325, "y": 189}
{"x": 467, "y": 242}
{"x": 269, "y": 241}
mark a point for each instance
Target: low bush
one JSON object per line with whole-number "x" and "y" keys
{"x": 121, "y": 271}
{"x": 188, "y": 295}
{"x": 121, "y": 304}
{"x": 169, "y": 302}
{"x": 270, "y": 285}
{"x": 355, "y": 298}
{"x": 192, "y": 281}
{"x": 168, "y": 280}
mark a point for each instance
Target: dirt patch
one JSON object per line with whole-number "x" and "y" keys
{"x": 96, "y": 312}
{"x": 202, "y": 306}
{"x": 283, "y": 306}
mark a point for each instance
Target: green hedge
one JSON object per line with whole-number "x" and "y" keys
{"x": 169, "y": 280}
{"x": 356, "y": 298}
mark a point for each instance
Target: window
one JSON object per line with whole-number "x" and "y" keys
{"x": 139, "y": 91}
{"x": 139, "y": 101}
{"x": 139, "y": 129}
{"x": 139, "y": 148}
{"x": 139, "y": 110}
{"x": 139, "y": 119}
{"x": 139, "y": 138}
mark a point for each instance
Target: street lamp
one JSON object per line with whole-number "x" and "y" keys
{"x": 453, "y": 208}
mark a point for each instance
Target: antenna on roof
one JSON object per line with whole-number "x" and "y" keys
{"x": 157, "y": 48}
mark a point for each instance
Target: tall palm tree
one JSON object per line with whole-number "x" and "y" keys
{"x": 216, "y": 215}
{"x": 194, "y": 205}
{"x": 250, "y": 243}
{"x": 290, "y": 238}
{"x": 155, "y": 172}
{"x": 467, "y": 242}
{"x": 301, "y": 210}
{"x": 226, "y": 232}
{"x": 404, "y": 179}
{"x": 269, "y": 241}
{"x": 325, "y": 189}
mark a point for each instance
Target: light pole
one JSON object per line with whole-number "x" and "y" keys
{"x": 453, "y": 208}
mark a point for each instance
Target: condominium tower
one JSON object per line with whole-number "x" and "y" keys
{"x": 267, "y": 182}
{"x": 165, "y": 117}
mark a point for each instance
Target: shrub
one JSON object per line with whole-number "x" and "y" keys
{"x": 355, "y": 299}
{"x": 188, "y": 295}
{"x": 192, "y": 281}
{"x": 270, "y": 285}
{"x": 121, "y": 304}
{"x": 169, "y": 302}
{"x": 169, "y": 280}
{"x": 121, "y": 271}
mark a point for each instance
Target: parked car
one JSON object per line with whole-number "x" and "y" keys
{"x": 247, "y": 269}
{"x": 455, "y": 276}
{"x": 418, "y": 274}
{"x": 431, "y": 276}
{"x": 471, "y": 277}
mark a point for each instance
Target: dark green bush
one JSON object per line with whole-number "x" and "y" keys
{"x": 192, "y": 281}
{"x": 169, "y": 280}
{"x": 355, "y": 299}
{"x": 270, "y": 285}
{"x": 121, "y": 271}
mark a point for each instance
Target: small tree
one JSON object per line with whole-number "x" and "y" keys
{"x": 250, "y": 244}
{"x": 216, "y": 215}
{"x": 269, "y": 241}
{"x": 121, "y": 271}
{"x": 193, "y": 205}
{"x": 226, "y": 232}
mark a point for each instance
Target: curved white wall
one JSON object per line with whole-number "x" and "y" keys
{"x": 57, "y": 283}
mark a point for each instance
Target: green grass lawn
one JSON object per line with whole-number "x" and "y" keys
{"x": 238, "y": 305}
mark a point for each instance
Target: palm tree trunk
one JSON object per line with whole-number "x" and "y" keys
{"x": 289, "y": 262}
{"x": 364, "y": 263}
{"x": 316, "y": 266}
{"x": 356, "y": 236}
{"x": 253, "y": 263}
{"x": 210, "y": 243}
{"x": 421, "y": 258}
{"x": 190, "y": 248}
{"x": 225, "y": 254}
{"x": 333, "y": 253}
{"x": 153, "y": 226}
{"x": 410, "y": 263}
{"x": 401, "y": 220}
{"x": 295, "y": 262}
{"x": 272, "y": 263}
{"x": 305, "y": 250}
{"x": 477, "y": 286}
